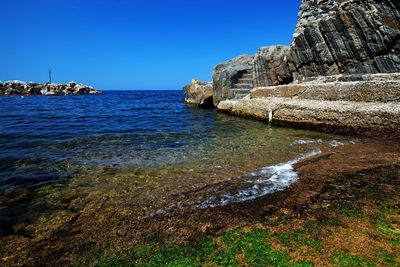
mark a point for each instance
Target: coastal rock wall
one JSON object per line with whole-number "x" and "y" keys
{"x": 342, "y": 69}
{"x": 331, "y": 37}
{"x": 23, "y": 88}
{"x": 353, "y": 36}
{"x": 272, "y": 67}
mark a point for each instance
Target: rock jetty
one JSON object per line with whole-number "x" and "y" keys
{"x": 341, "y": 70}
{"x": 23, "y": 88}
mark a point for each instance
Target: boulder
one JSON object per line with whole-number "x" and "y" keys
{"x": 11, "y": 91}
{"x": 71, "y": 84}
{"x": 199, "y": 93}
{"x": 81, "y": 89}
{"x": 36, "y": 90}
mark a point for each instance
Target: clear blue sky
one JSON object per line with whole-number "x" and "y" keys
{"x": 137, "y": 44}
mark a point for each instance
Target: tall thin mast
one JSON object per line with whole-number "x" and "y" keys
{"x": 50, "y": 75}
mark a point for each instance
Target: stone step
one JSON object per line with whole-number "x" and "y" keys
{"x": 243, "y": 85}
{"x": 247, "y": 76}
{"x": 245, "y": 80}
{"x": 240, "y": 91}
{"x": 239, "y": 96}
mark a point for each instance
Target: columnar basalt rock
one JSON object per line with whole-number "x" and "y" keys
{"x": 23, "y": 88}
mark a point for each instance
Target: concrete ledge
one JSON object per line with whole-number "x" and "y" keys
{"x": 361, "y": 91}
{"x": 319, "y": 113}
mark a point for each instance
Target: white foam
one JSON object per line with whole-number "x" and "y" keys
{"x": 305, "y": 142}
{"x": 335, "y": 143}
{"x": 272, "y": 179}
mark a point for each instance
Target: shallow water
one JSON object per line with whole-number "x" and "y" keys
{"x": 128, "y": 151}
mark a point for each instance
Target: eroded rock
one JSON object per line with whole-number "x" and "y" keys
{"x": 199, "y": 93}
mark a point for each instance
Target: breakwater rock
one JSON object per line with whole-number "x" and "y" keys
{"x": 344, "y": 56}
{"x": 23, "y": 88}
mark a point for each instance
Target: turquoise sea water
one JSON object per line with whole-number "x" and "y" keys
{"x": 130, "y": 150}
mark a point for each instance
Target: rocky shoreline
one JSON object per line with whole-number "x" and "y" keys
{"x": 32, "y": 88}
{"x": 341, "y": 71}
{"x": 342, "y": 192}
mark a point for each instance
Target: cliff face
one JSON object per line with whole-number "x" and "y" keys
{"x": 353, "y": 36}
{"x": 332, "y": 37}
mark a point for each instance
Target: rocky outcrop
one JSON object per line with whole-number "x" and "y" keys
{"x": 23, "y": 88}
{"x": 227, "y": 74}
{"x": 331, "y": 37}
{"x": 342, "y": 69}
{"x": 199, "y": 93}
{"x": 272, "y": 67}
{"x": 347, "y": 36}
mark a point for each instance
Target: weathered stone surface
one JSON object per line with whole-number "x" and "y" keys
{"x": 372, "y": 88}
{"x": 346, "y": 36}
{"x": 226, "y": 74}
{"x": 271, "y": 66}
{"x": 199, "y": 93}
{"x": 340, "y": 113}
{"x": 22, "y": 88}
{"x": 371, "y": 102}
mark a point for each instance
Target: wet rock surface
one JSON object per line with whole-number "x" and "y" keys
{"x": 23, "y": 88}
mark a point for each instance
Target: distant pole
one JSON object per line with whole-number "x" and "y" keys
{"x": 50, "y": 75}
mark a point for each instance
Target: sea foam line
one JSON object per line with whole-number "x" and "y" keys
{"x": 272, "y": 179}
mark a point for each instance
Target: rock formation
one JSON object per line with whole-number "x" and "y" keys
{"x": 226, "y": 77}
{"x": 331, "y": 37}
{"x": 23, "y": 88}
{"x": 340, "y": 54}
{"x": 199, "y": 93}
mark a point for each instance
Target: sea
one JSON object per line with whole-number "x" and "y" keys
{"x": 136, "y": 152}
